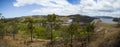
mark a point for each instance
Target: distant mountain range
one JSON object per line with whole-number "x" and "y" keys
{"x": 103, "y": 17}
{"x": 76, "y": 17}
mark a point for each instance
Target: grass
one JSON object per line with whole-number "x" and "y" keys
{"x": 109, "y": 39}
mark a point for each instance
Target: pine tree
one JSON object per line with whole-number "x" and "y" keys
{"x": 72, "y": 29}
{"x": 51, "y": 18}
{"x": 2, "y": 22}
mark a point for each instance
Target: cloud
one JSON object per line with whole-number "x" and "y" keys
{"x": 63, "y": 7}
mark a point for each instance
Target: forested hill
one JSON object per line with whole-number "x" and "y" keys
{"x": 63, "y": 18}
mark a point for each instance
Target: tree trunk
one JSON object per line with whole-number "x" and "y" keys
{"x": 51, "y": 36}
{"x": 31, "y": 29}
{"x": 13, "y": 33}
{"x": 71, "y": 41}
{"x": 31, "y": 35}
{"x": 13, "y": 36}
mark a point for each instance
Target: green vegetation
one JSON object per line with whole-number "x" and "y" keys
{"x": 47, "y": 28}
{"x": 72, "y": 29}
{"x": 117, "y": 20}
{"x": 2, "y": 25}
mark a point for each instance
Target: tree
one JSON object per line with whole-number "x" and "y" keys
{"x": 1, "y": 30}
{"x": 90, "y": 27}
{"x": 72, "y": 29}
{"x": 90, "y": 30}
{"x": 13, "y": 27}
{"x": 117, "y": 20}
{"x": 52, "y": 18}
{"x": 29, "y": 22}
{"x": 2, "y": 19}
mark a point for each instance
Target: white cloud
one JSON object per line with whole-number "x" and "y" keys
{"x": 63, "y": 7}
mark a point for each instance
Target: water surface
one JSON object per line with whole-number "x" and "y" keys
{"x": 108, "y": 20}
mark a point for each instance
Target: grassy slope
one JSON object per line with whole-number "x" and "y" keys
{"x": 109, "y": 39}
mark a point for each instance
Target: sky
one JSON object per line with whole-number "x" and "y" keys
{"x": 18, "y": 8}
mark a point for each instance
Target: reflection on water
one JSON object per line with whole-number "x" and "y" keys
{"x": 108, "y": 20}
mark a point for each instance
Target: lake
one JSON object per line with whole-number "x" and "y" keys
{"x": 108, "y": 20}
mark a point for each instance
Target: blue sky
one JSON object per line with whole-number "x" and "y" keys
{"x": 18, "y": 8}
{"x": 8, "y": 10}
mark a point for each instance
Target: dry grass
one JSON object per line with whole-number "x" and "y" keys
{"x": 109, "y": 39}
{"x": 8, "y": 41}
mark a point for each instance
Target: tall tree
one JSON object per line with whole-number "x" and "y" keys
{"x": 90, "y": 30}
{"x": 13, "y": 27}
{"x": 72, "y": 29}
{"x": 29, "y": 22}
{"x": 52, "y": 18}
{"x": 2, "y": 19}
